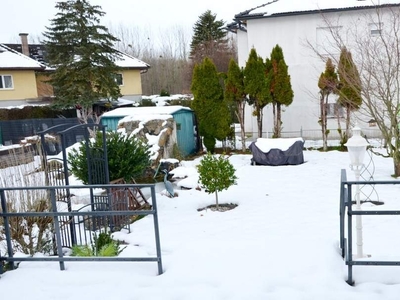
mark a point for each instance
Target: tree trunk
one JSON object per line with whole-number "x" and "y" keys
{"x": 348, "y": 116}
{"x": 259, "y": 122}
{"x": 323, "y": 121}
{"x": 278, "y": 120}
{"x": 240, "y": 116}
{"x": 396, "y": 163}
{"x": 274, "y": 116}
{"x": 216, "y": 199}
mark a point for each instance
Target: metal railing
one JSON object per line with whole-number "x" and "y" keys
{"x": 313, "y": 134}
{"x": 346, "y": 208}
{"x": 59, "y": 230}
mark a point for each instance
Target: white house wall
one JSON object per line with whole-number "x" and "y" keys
{"x": 292, "y": 33}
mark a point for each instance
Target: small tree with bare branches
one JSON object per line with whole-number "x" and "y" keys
{"x": 327, "y": 84}
{"x": 376, "y": 54}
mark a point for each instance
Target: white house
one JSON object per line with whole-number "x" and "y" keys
{"x": 298, "y": 26}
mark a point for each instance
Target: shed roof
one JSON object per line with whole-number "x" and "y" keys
{"x": 151, "y": 110}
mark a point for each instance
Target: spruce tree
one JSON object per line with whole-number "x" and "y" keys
{"x": 210, "y": 40}
{"x": 256, "y": 85}
{"x": 81, "y": 51}
{"x": 349, "y": 88}
{"x": 207, "y": 32}
{"x": 234, "y": 93}
{"x": 211, "y": 110}
{"x": 327, "y": 84}
{"x": 281, "y": 88}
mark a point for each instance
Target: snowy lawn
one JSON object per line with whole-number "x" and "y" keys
{"x": 280, "y": 242}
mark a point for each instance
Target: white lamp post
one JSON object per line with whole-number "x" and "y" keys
{"x": 357, "y": 146}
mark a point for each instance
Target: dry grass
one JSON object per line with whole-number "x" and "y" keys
{"x": 29, "y": 234}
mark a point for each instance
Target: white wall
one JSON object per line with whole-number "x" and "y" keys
{"x": 293, "y": 33}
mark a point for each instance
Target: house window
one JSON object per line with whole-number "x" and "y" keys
{"x": 6, "y": 82}
{"x": 119, "y": 79}
{"x": 334, "y": 110}
{"x": 375, "y": 29}
{"x": 178, "y": 126}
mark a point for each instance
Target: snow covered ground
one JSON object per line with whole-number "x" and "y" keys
{"x": 280, "y": 242}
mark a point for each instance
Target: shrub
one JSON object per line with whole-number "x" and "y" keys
{"x": 102, "y": 245}
{"x": 216, "y": 174}
{"x": 128, "y": 157}
{"x": 164, "y": 93}
{"x": 209, "y": 142}
{"x": 147, "y": 102}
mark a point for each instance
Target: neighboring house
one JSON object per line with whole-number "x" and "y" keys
{"x": 295, "y": 25}
{"x": 128, "y": 78}
{"x": 18, "y": 79}
{"x": 136, "y": 119}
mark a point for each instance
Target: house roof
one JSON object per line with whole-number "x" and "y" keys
{"x": 141, "y": 111}
{"x": 11, "y": 59}
{"x": 39, "y": 53}
{"x": 275, "y": 8}
{"x": 130, "y": 62}
{"x": 36, "y": 51}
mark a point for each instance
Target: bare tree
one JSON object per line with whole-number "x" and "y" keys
{"x": 374, "y": 40}
{"x": 327, "y": 84}
{"x": 166, "y": 51}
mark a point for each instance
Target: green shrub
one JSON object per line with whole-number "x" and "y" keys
{"x": 147, "y": 102}
{"x": 182, "y": 102}
{"x": 102, "y": 245}
{"x": 164, "y": 93}
{"x": 128, "y": 157}
{"x": 209, "y": 142}
{"x": 216, "y": 174}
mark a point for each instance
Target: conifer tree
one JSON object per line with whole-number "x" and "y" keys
{"x": 211, "y": 110}
{"x": 281, "y": 88}
{"x": 234, "y": 93}
{"x": 349, "y": 88}
{"x": 327, "y": 84}
{"x": 210, "y": 40}
{"x": 256, "y": 86}
{"x": 81, "y": 51}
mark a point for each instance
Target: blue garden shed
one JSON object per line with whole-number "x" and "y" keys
{"x": 184, "y": 118}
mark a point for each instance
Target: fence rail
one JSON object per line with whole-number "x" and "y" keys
{"x": 346, "y": 208}
{"x": 58, "y": 230}
{"x": 314, "y": 134}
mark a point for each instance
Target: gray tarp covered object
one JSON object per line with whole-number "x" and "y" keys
{"x": 276, "y": 157}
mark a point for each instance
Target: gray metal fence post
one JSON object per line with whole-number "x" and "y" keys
{"x": 343, "y": 179}
{"x": 156, "y": 231}
{"x": 349, "y": 237}
{"x": 57, "y": 228}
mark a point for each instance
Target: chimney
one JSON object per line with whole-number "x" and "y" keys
{"x": 24, "y": 43}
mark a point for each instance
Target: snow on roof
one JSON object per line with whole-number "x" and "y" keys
{"x": 128, "y": 61}
{"x": 292, "y": 6}
{"x": 150, "y": 110}
{"x": 10, "y": 59}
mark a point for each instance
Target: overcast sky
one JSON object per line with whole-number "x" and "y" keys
{"x": 31, "y": 17}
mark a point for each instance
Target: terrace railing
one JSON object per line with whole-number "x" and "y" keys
{"x": 56, "y": 213}
{"x": 346, "y": 224}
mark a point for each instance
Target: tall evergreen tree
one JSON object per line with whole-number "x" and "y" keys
{"x": 256, "y": 85}
{"x": 327, "y": 84}
{"x": 281, "y": 88}
{"x": 211, "y": 110}
{"x": 210, "y": 40}
{"x": 349, "y": 88}
{"x": 81, "y": 51}
{"x": 234, "y": 93}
